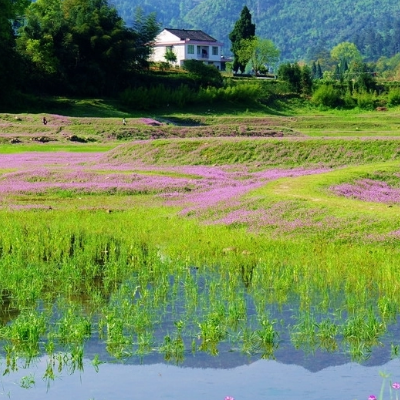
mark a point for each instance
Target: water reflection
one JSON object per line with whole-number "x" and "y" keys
{"x": 263, "y": 379}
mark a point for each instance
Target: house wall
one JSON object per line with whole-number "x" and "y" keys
{"x": 202, "y": 50}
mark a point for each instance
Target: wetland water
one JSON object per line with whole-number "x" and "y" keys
{"x": 294, "y": 373}
{"x": 262, "y": 379}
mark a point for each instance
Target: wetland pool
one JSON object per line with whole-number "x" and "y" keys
{"x": 293, "y": 374}
{"x": 262, "y": 379}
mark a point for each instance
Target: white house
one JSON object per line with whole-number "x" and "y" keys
{"x": 188, "y": 45}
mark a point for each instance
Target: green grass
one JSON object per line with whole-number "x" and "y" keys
{"x": 260, "y": 152}
{"x": 100, "y": 121}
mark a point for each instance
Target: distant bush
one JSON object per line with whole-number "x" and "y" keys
{"x": 245, "y": 92}
{"x": 394, "y": 97}
{"x": 291, "y": 74}
{"x": 328, "y": 96}
{"x": 142, "y": 98}
{"x": 208, "y": 75}
{"x": 366, "y": 100}
{"x": 348, "y": 100}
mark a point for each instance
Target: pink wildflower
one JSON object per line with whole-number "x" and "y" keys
{"x": 396, "y": 385}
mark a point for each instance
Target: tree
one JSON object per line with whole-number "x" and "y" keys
{"x": 145, "y": 29}
{"x": 306, "y": 80}
{"x": 291, "y": 73}
{"x": 9, "y": 62}
{"x": 319, "y": 71}
{"x": 18, "y": 7}
{"x": 363, "y": 77}
{"x": 83, "y": 46}
{"x": 346, "y": 51}
{"x": 258, "y": 52}
{"x": 243, "y": 29}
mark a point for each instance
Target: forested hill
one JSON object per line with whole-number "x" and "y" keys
{"x": 299, "y": 28}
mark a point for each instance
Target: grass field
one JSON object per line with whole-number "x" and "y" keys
{"x": 91, "y": 122}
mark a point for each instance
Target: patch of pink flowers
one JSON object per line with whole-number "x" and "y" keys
{"x": 368, "y": 190}
{"x": 191, "y": 187}
{"x": 216, "y": 193}
{"x": 222, "y": 186}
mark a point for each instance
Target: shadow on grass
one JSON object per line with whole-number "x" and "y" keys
{"x": 70, "y": 107}
{"x": 110, "y": 107}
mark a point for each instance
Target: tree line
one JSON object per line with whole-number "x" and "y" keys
{"x": 83, "y": 47}
{"x": 71, "y": 47}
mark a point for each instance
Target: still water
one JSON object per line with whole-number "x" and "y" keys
{"x": 294, "y": 373}
{"x": 262, "y": 379}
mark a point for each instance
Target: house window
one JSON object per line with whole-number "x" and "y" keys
{"x": 215, "y": 51}
{"x": 198, "y": 50}
{"x": 190, "y": 48}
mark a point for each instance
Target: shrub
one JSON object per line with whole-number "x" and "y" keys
{"x": 291, "y": 74}
{"x": 394, "y": 97}
{"x": 348, "y": 100}
{"x": 366, "y": 101}
{"x": 326, "y": 95}
{"x": 208, "y": 75}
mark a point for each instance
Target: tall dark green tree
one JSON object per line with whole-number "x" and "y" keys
{"x": 243, "y": 29}
{"x": 313, "y": 70}
{"x": 306, "y": 82}
{"x": 145, "y": 28}
{"x": 291, "y": 74}
{"x": 82, "y": 46}
{"x": 319, "y": 73}
{"x": 316, "y": 71}
{"x": 9, "y": 61}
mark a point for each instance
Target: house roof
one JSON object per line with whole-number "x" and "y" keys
{"x": 185, "y": 34}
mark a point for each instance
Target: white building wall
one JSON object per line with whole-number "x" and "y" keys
{"x": 180, "y": 53}
{"x": 166, "y": 37}
{"x": 158, "y": 54}
{"x": 180, "y": 47}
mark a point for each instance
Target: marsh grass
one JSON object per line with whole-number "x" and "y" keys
{"x": 123, "y": 275}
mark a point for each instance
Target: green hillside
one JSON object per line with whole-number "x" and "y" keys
{"x": 300, "y": 28}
